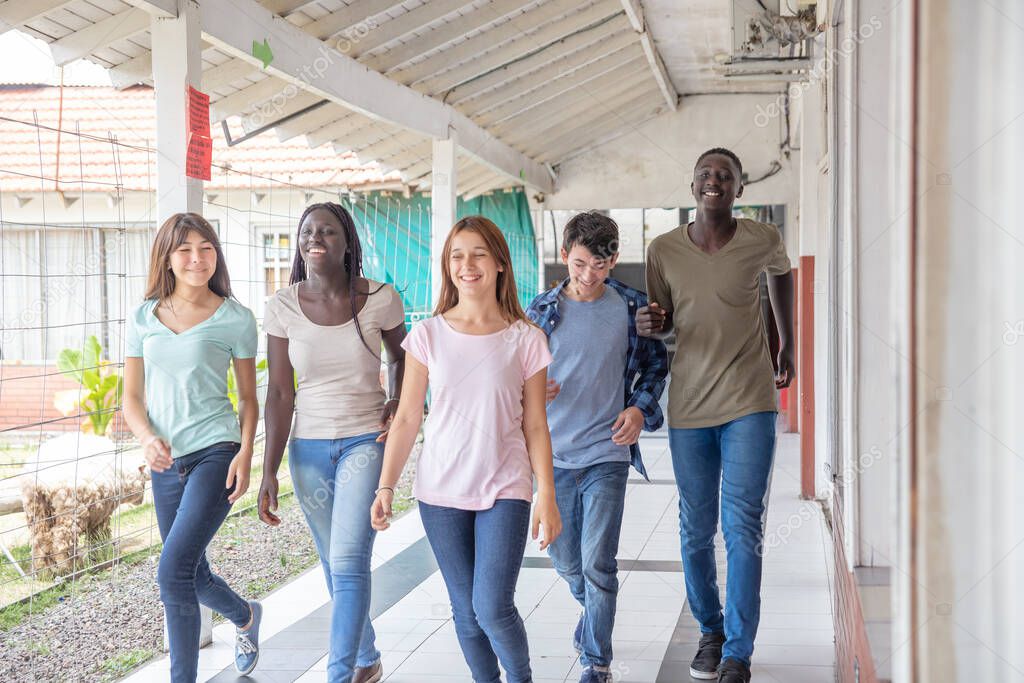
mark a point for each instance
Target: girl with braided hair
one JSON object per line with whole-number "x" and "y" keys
{"x": 324, "y": 337}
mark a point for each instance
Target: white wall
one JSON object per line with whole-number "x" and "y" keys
{"x": 970, "y": 297}
{"x": 652, "y": 165}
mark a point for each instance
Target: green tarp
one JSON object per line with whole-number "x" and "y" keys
{"x": 395, "y": 233}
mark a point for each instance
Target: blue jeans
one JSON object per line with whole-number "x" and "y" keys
{"x": 335, "y": 481}
{"x": 191, "y": 503}
{"x": 479, "y": 553}
{"x": 591, "y": 501}
{"x": 739, "y": 456}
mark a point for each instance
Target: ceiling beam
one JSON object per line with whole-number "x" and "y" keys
{"x": 15, "y": 13}
{"x": 301, "y": 59}
{"x": 635, "y": 12}
{"x": 413, "y": 20}
{"x": 83, "y": 42}
{"x": 431, "y": 40}
{"x": 476, "y": 56}
{"x": 574, "y": 104}
{"x": 592, "y": 77}
{"x": 310, "y": 121}
{"x": 554, "y": 72}
{"x": 569, "y": 139}
{"x": 571, "y": 48}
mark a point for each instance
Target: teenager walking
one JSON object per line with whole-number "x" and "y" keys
{"x": 703, "y": 280}
{"x": 324, "y": 336}
{"x": 485, "y": 441}
{"x": 605, "y": 385}
{"x": 179, "y": 344}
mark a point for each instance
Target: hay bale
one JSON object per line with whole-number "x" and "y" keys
{"x": 70, "y": 489}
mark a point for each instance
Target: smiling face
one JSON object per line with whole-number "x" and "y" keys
{"x": 587, "y": 272}
{"x": 194, "y": 261}
{"x": 322, "y": 243}
{"x": 716, "y": 182}
{"x": 471, "y": 265}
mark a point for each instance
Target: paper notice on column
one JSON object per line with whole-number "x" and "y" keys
{"x": 199, "y": 155}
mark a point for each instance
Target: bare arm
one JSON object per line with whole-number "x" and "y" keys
{"x": 538, "y": 445}
{"x": 248, "y": 418}
{"x": 278, "y": 423}
{"x": 780, "y": 292}
{"x": 156, "y": 451}
{"x": 404, "y": 428}
{"x": 396, "y": 371}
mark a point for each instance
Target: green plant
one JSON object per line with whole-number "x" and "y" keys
{"x": 261, "y": 380}
{"x": 102, "y": 384}
{"x": 119, "y": 665}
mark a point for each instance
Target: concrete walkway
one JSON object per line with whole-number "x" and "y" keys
{"x": 655, "y": 636}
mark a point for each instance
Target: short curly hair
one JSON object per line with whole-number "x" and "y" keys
{"x": 725, "y": 153}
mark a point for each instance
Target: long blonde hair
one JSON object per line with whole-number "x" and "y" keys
{"x": 508, "y": 298}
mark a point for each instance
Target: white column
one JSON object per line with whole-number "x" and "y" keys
{"x": 177, "y": 63}
{"x": 442, "y": 206}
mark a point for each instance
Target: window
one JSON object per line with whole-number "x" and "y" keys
{"x": 277, "y": 259}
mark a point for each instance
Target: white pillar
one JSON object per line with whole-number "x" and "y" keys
{"x": 177, "y": 63}
{"x": 442, "y": 206}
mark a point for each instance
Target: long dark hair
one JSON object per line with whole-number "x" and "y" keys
{"x": 353, "y": 260}
{"x": 171, "y": 235}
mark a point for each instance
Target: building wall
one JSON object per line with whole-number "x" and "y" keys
{"x": 652, "y": 165}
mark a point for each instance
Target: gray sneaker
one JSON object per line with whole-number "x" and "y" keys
{"x": 709, "y": 655}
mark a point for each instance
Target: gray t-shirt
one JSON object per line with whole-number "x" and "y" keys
{"x": 589, "y": 345}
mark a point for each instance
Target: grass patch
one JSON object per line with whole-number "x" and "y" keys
{"x": 12, "y": 615}
{"x": 121, "y": 664}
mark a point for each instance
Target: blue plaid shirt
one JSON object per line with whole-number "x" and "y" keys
{"x": 647, "y": 358}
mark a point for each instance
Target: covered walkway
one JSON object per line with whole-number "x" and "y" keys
{"x": 655, "y": 636}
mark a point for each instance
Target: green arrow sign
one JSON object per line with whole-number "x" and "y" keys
{"x": 262, "y": 52}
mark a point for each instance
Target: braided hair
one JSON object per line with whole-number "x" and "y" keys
{"x": 353, "y": 260}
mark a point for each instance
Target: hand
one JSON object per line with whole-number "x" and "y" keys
{"x": 552, "y": 390}
{"x": 545, "y": 514}
{"x": 238, "y": 475}
{"x": 266, "y": 500}
{"x": 386, "y": 416}
{"x": 380, "y": 511}
{"x": 626, "y": 430}
{"x": 787, "y": 369}
{"x": 650, "y": 320}
{"x": 157, "y": 453}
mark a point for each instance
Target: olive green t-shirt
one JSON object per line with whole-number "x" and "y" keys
{"x": 722, "y": 368}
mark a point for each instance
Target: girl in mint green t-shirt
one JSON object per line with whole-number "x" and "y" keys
{"x": 179, "y": 344}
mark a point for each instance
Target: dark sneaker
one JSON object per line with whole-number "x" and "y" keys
{"x": 577, "y": 636}
{"x": 247, "y": 642}
{"x": 592, "y": 675}
{"x": 733, "y": 671}
{"x": 368, "y": 674}
{"x": 709, "y": 654}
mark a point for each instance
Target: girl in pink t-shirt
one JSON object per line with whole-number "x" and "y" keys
{"x": 485, "y": 439}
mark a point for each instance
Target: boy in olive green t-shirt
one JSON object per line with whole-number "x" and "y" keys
{"x": 703, "y": 282}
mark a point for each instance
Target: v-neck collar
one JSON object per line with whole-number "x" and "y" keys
{"x": 160, "y": 322}
{"x": 725, "y": 247}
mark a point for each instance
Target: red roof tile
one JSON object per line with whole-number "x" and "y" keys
{"x": 105, "y": 115}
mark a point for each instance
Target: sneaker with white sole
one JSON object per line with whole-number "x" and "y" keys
{"x": 247, "y": 642}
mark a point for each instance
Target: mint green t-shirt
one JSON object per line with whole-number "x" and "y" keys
{"x": 186, "y": 374}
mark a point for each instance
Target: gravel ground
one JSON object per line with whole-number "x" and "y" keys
{"x": 110, "y": 623}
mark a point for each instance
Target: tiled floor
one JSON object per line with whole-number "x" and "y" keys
{"x": 655, "y": 636}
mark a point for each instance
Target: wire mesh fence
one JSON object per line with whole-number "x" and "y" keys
{"x": 74, "y": 491}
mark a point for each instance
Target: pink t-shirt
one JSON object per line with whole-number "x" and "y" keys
{"x": 474, "y": 450}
